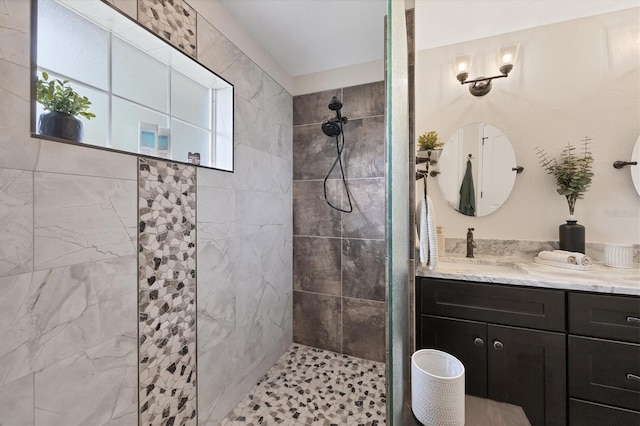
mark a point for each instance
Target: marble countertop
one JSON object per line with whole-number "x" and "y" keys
{"x": 525, "y": 272}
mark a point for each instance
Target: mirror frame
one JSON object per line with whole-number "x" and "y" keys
{"x": 477, "y": 169}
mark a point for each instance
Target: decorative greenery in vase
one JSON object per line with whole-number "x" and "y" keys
{"x": 429, "y": 140}
{"x": 572, "y": 171}
{"x": 56, "y": 95}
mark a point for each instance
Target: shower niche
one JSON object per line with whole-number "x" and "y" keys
{"x": 149, "y": 97}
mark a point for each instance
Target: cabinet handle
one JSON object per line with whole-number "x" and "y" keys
{"x": 633, "y": 377}
{"x": 633, "y": 320}
{"x": 497, "y": 344}
{"x": 478, "y": 342}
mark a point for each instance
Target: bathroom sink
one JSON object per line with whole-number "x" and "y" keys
{"x": 487, "y": 264}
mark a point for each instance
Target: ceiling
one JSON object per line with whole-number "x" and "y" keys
{"x": 307, "y": 36}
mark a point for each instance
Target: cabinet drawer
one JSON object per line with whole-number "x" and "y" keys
{"x": 599, "y": 371}
{"x": 582, "y": 413}
{"x": 500, "y": 304}
{"x": 609, "y": 317}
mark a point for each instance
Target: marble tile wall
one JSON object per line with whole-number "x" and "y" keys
{"x": 338, "y": 258}
{"x": 68, "y": 275}
{"x": 244, "y": 236}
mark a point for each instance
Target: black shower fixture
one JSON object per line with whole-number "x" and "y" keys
{"x": 333, "y": 128}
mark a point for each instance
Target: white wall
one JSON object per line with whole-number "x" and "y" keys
{"x": 572, "y": 79}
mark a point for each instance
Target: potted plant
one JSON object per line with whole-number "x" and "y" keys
{"x": 64, "y": 105}
{"x": 431, "y": 143}
{"x": 573, "y": 176}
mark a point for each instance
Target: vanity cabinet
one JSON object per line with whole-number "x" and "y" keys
{"x": 604, "y": 359}
{"x": 510, "y": 339}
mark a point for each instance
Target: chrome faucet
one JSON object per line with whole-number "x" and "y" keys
{"x": 471, "y": 243}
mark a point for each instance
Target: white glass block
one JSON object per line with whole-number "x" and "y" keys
{"x": 190, "y": 101}
{"x": 95, "y": 130}
{"x": 186, "y": 138}
{"x": 125, "y": 118}
{"x": 223, "y": 158}
{"x": 60, "y": 49}
{"x": 139, "y": 77}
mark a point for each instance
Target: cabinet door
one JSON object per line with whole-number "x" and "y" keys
{"x": 466, "y": 340}
{"x": 528, "y": 368}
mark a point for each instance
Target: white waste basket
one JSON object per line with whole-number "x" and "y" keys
{"x": 437, "y": 388}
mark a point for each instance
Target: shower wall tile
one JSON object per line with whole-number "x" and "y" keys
{"x": 246, "y": 77}
{"x": 311, "y": 214}
{"x": 215, "y": 51}
{"x": 364, "y": 100}
{"x": 313, "y": 108}
{"x": 16, "y": 402}
{"x": 79, "y": 160}
{"x": 317, "y": 320}
{"x": 17, "y": 149}
{"x": 127, "y": 7}
{"x": 278, "y": 103}
{"x": 50, "y": 315}
{"x": 316, "y": 265}
{"x": 313, "y": 153}
{"x": 368, "y": 217}
{"x": 250, "y": 124}
{"x": 363, "y": 329}
{"x": 364, "y": 148}
{"x": 217, "y": 212}
{"x": 16, "y": 221}
{"x": 261, "y": 171}
{"x": 80, "y": 218}
{"x": 167, "y": 292}
{"x": 363, "y": 269}
{"x": 97, "y": 386}
{"x": 14, "y": 32}
{"x": 174, "y": 21}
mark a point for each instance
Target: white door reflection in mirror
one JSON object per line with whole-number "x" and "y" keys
{"x": 492, "y": 161}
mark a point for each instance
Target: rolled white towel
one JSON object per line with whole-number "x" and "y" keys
{"x": 580, "y": 258}
{"x": 563, "y": 257}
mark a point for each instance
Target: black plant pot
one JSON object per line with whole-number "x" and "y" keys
{"x": 60, "y": 125}
{"x": 572, "y": 236}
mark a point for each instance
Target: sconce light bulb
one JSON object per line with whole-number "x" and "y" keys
{"x": 462, "y": 67}
{"x": 507, "y": 59}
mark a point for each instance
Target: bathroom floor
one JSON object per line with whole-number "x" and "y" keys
{"x": 309, "y": 386}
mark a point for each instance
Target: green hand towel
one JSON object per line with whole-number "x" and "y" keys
{"x": 467, "y": 193}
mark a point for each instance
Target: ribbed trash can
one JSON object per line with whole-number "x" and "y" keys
{"x": 437, "y": 388}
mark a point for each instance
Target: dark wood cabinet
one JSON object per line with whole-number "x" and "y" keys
{"x": 521, "y": 366}
{"x": 604, "y": 359}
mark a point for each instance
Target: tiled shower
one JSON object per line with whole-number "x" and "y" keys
{"x": 339, "y": 258}
{"x": 89, "y": 336}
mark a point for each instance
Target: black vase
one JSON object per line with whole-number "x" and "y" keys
{"x": 572, "y": 236}
{"x": 60, "y": 125}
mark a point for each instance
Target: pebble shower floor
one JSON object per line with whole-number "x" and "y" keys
{"x": 309, "y": 386}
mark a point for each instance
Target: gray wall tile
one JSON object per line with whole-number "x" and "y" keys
{"x": 363, "y": 269}
{"x": 313, "y": 107}
{"x": 367, "y": 219}
{"x": 316, "y": 265}
{"x": 16, "y": 402}
{"x": 313, "y": 153}
{"x": 311, "y": 214}
{"x": 363, "y": 328}
{"x": 364, "y": 148}
{"x": 364, "y": 100}
{"x": 317, "y": 320}
{"x": 16, "y": 221}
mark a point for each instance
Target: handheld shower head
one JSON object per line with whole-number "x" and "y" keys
{"x": 335, "y": 104}
{"x": 331, "y": 128}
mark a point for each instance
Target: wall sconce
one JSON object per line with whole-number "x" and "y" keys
{"x": 480, "y": 86}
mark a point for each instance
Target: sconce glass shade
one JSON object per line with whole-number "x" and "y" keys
{"x": 461, "y": 67}
{"x": 507, "y": 56}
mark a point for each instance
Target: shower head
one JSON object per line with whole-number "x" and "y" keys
{"x": 335, "y": 104}
{"x": 331, "y": 128}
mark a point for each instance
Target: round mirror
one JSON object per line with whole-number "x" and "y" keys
{"x": 635, "y": 169}
{"x": 477, "y": 169}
